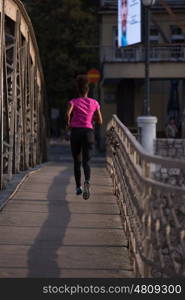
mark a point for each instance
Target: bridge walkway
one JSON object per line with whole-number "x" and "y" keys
{"x": 48, "y": 231}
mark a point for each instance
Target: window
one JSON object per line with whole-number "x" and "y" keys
{"x": 115, "y": 36}
{"x": 177, "y": 35}
{"x": 175, "y": 30}
{"x": 154, "y": 35}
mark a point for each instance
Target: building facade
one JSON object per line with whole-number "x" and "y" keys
{"x": 123, "y": 69}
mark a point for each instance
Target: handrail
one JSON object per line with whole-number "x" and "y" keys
{"x": 152, "y": 211}
{"x": 156, "y": 159}
{"x": 171, "y": 3}
{"x": 166, "y": 53}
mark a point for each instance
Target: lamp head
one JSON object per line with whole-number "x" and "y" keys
{"x": 148, "y": 3}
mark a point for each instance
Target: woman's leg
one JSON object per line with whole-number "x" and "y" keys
{"x": 87, "y": 149}
{"x": 76, "y": 148}
{"x": 86, "y": 156}
{"x": 77, "y": 171}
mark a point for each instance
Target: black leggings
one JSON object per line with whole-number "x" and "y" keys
{"x": 82, "y": 140}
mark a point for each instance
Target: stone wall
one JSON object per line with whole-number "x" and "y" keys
{"x": 174, "y": 148}
{"x": 171, "y": 148}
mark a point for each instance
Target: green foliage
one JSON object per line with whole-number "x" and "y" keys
{"x": 67, "y": 36}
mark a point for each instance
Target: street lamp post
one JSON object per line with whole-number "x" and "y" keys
{"x": 147, "y": 123}
{"x": 146, "y": 108}
{"x": 147, "y": 4}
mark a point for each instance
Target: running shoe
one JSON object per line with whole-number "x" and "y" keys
{"x": 79, "y": 190}
{"x": 86, "y": 192}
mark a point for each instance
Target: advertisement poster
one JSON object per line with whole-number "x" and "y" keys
{"x": 129, "y": 22}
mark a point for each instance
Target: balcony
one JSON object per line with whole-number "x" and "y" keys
{"x": 137, "y": 54}
{"x": 109, "y": 4}
{"x": 172, "y": 3}
{"x": 112, "y": 4}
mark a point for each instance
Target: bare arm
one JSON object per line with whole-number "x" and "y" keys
{"x": 98, "y": 117}
{"x": 68, "y": 114}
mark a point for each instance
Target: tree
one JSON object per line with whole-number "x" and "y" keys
{"x": 67, "y": 36}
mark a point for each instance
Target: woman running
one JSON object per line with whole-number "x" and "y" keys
{"x": 81, "y": 113}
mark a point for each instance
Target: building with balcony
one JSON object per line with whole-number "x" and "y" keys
{"x": 123, "y": 69}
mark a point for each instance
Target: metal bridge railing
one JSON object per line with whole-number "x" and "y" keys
{"x": 137, "y": 54}
{"x": 172, "y": 3}
{"x": 153, "y": 212}
{"x": 22, "y": 107}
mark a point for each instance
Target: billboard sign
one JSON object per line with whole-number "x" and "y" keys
{"x": 129, "y": 22}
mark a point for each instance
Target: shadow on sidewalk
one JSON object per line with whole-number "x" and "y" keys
{"x": 42, "y": 256}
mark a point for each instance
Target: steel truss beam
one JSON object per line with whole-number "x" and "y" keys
{"x": 22, "y": 108}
